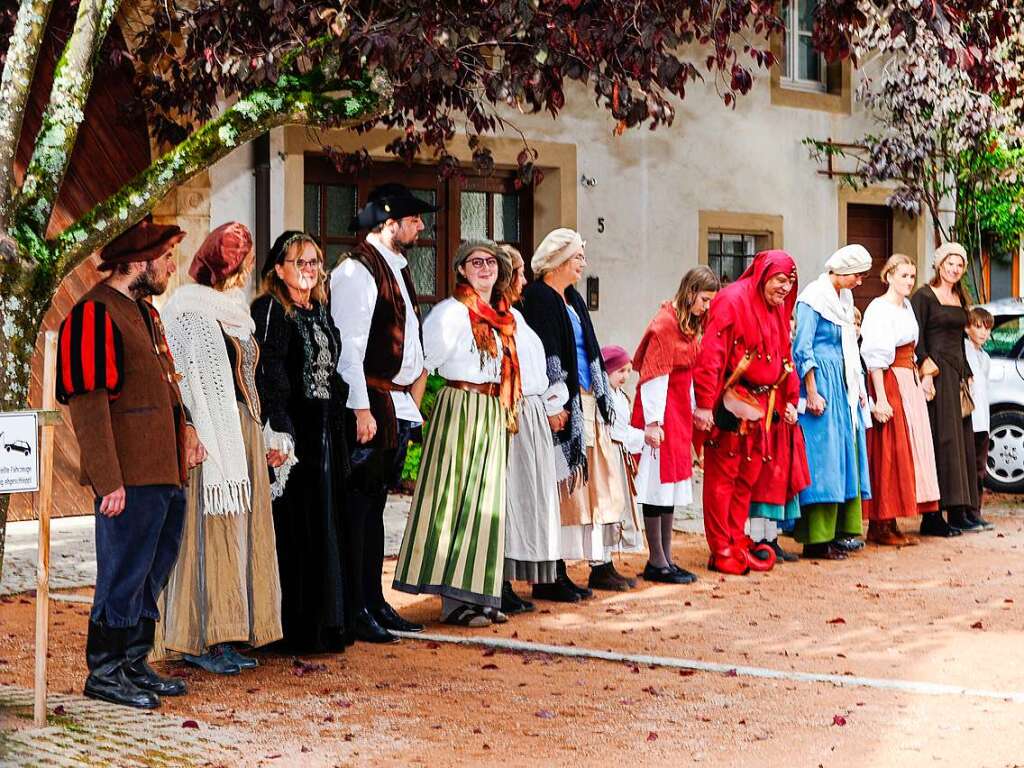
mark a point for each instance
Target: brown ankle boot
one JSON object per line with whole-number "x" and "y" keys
{"x": 881, "y": 532}
{"x": 904, "y": 540}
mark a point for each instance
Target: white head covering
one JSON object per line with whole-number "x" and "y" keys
{"x": 849, "y": 260}
{"x": 556, "y": 249}
{"x": 946, "y": 250}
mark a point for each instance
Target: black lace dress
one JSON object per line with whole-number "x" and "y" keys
{"x": 302, "y": 394}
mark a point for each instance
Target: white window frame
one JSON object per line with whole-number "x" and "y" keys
{"x": 791, "y": 40}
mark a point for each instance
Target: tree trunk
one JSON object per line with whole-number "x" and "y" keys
{"x": 25, "y": 294}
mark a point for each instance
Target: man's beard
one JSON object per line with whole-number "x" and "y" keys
{"x": 147, "y": 284}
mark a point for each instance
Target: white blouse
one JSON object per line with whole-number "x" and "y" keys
{"x": 533, "y": 368}
{"x": 622, "y": 431}
{"x": 885, "y": 327}
{"x": 450, "y": 350}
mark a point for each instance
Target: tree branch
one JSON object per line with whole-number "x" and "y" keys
{"x": 241, "y": 123}
{"x": 26, "y": 42}
{"x": 65, "y": 111}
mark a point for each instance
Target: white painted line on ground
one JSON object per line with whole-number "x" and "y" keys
{"x": 907, "y": 686}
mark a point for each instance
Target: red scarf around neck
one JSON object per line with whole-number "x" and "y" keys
{"x": 483, "y": 318}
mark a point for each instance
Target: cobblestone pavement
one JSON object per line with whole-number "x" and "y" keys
{"x": 84, "y": 732}
{"x": 72, "y": 555}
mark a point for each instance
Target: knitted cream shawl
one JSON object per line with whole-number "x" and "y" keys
{"x": 193, "y": 320}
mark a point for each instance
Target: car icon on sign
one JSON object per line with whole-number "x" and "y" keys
{"x": 18, "y": 446}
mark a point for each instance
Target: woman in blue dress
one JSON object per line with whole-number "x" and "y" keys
{"x": 832, "y": 387}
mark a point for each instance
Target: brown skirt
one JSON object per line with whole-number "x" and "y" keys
{"x": 225, "y": 585}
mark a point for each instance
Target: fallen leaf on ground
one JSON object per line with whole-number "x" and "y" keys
{"x": 545, "y": 714}
{"x": 489, "y": 666}
{"x": 59, "y": 710}
{"x": 687, "y": 672}
{"x": 732, "y": 673}
{"x": 977, "y": 625}
{"x": 838, "y": 720}
{"x": 836, "y": 620}
{"x": 190, "y": 724}
{"x": 652, "y": 736}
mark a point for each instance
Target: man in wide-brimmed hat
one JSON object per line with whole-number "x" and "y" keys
{"x": 136, "y": 446}
{"x": 374, "y": 305}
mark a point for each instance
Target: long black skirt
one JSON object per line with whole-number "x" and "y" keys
{"x": 309, "y": 522}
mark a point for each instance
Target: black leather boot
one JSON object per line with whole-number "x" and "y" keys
{"x": 107, "y": 681}
{"x": 139, "y": 644}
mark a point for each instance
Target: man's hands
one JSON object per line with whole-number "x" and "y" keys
{"x": 195, "y": 452}
{"x": 366, "y": 426}
{"x": 275, "y": 458}
{"x": 112, "y": 504}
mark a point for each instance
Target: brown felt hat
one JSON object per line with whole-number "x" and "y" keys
{"x": 146, "y": 241}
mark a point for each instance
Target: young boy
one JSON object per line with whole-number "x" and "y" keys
{"x": 979, "y": 328}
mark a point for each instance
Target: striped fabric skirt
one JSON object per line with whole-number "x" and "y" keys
{"x": 454, "y": 543}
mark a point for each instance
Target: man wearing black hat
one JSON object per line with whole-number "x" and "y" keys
{"x": 374, "y": 305}
{"x": 136, "y": 446}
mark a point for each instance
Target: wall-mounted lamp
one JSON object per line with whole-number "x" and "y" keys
{"x": 588, "y": 181}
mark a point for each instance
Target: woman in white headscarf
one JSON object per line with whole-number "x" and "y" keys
{"x": 832, "y": 386}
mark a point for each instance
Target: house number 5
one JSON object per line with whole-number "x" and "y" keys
{"x": 600, "y": 224}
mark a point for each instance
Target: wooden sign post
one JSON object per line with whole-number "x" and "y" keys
{"x": 26, "y": 466}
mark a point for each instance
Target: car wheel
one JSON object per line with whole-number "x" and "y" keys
{"x": 1005, "y": 465}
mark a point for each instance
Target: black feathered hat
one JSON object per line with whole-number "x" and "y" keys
{"x": 389, "y": 201}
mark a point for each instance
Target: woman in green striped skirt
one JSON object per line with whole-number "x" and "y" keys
{"x": 454, "y": 544}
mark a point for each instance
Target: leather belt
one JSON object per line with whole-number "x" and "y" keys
{"x": 490, "y": 389}
{"x": 759, "y": 390}
{"x": 386, "y": 385}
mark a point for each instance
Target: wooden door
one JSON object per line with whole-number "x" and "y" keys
{"x": 870, "y": 226}
{"x": 470, "y": 207}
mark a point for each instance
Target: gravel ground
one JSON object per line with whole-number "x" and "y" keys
{"x": 945, "y": 612}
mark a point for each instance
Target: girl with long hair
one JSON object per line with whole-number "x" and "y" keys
{"x": 662, "y": 409}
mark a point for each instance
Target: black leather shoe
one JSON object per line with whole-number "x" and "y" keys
{"x": 781, "y": 555}
{"x": 107, "y": 681}
{"x": 511, "y": 603}
{"x": 214, "y": 661}
{"x": 564, "y": 580}
{"x": 557, "y": 592}
{"x": 848, "y": 543}
{"x": 136, "y": 667}
{"x": 667, "y": 575}
{"x": 602, "y": 577}
{"x": 369, "y": 630}
{"x": 243, "y": 662}
{"x": 630, "y": 581}
{"x": 985, "y": 524}
{"x": 388, "y": 618}
{"x": 965, "y": 521}
{"x": 823, "y": 552}
{"x": 932, "y": 524}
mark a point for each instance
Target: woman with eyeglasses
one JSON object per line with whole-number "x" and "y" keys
{"x": 592, "y": 499}
{"x": 454, "y": 543}
{"x": 303, "y": 400}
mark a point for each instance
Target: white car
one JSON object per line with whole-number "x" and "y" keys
{"x": 1006, "y": 396}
